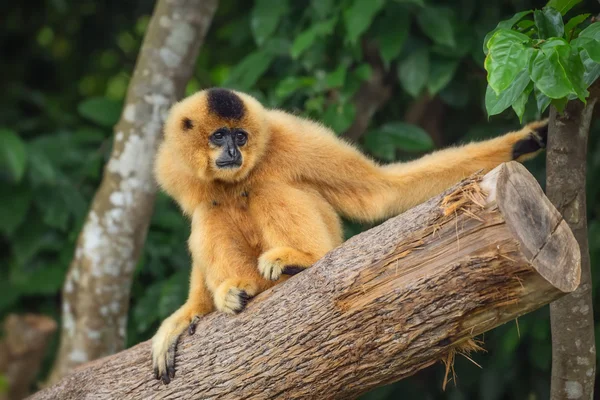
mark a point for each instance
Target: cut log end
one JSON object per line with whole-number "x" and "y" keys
{"x": 544, "y": 237}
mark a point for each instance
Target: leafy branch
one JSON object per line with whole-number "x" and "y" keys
{"x": 535, "y": 59}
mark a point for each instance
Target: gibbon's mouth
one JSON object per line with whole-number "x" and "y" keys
{"x": 229, "y": 164}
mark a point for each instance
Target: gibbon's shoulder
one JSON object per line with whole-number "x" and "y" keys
{"x": 302, "y": 133}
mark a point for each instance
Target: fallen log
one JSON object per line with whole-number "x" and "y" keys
{"x": 387, "y": 303}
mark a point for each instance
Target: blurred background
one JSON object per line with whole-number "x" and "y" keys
{"x": 401, "y": 78}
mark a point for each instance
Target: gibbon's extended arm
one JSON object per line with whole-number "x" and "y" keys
{"x": 361, "y": 190}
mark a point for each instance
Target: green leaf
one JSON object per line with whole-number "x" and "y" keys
{"x": 592, "y": 31}
{"x": 542, "y": 100}
{"x": 104, "y": 112}
{"x": 265, "y": 17}
{"x": 438, "y": 24}
{"x": 591, "y": 69}
{"x": 549, "y": 23}
{"x": 305, "y": 39}
{"x": 292, "y": 84}
{"x": 249, "y": 70}
{"x": 506, "y": 58}
{"x": 13, "y": 154}
{"x": 440, "y": 74}
{"x": 322, "y": 7}
{"x": 391, "y": 35}
{"x": 363, "y": 72}
{"x": 591, "y": 46}
{"x": 519, "y": 104}
{"x": 14, "y": 204}
{"x": 359, "y": 15}
{"x": 573, "y": 23}
{"x": 41, "y": 170}
{"x": 562, "y": 6}
{"x": 413, "y": 72}
{"x": 339, "y": 117}
{"x": 496, "y": 103}
{"x": 336, "y": 78}
{"x": 558, "y": 71}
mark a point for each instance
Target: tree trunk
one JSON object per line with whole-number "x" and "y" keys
{"x": 96, "y": 290}
{"x": 22, "y": 351}
{"x": 572, "y": 317}
{"x": 387, "y": 303}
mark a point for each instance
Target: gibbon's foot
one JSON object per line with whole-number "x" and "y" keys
{"x": 283, "y": 261}
{"x": 233, "y": 295}
{"x": 164, "y": 342}
{"x": 534, "y": 141}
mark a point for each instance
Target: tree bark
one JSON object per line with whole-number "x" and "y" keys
{"x": 96, "y": 290}
{"x": 387, "y": 303}
{"x": 22, "y": 351}
{"x": 572, "y": 317}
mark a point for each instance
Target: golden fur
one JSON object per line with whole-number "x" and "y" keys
{"x": 281, "y": 207}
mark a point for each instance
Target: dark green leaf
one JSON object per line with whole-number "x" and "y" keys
{"x": 573, "y": 23}
{"x": 519, "y": 104}
{"x": 363, "y": 72}
{"x": 305, "y": 39}
{"x": 509, "y": 23}
{"x": 438, "y": 24}
{"x": 41, "y": 170}
{"x": 562, "y": 6}
{"x": 102, "y": 111}
{"x": 440, "y": 74}
{"x": 592, "y": 31}
{"x": 560, "y": 104}
{"x": 265, "y": 17}
{"x": 322, "y": 7}
{"x": 339, "y": 117}
{"x": 335, "y": 79}
{"x": 507, "y": 57}
{"x": 542, "y": 100}
{"x": 414, "y": 71}
{"x": 249, "y": 70}
{"x": 13, "y": 154}
{"x": 391, "y": 35}
{"x": 495, "y": 103}
{"x": 407, "y": 137}
{"x": 549, "y": 23}
{"x": 14, "y": 203}
{"x": 359, "y": 16}
{"x": 417, "y": 2}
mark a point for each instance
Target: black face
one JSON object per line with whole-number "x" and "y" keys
{"x": 230, "y": 140}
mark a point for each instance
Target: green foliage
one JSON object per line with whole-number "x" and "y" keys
{"x": 65, "y": 74}
{"x": 546, "y": 55}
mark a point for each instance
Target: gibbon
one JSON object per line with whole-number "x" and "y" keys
{"x": 265, "y": 191}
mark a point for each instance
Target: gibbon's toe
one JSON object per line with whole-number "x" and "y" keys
{"x": 270, "y": 269}
{"x": 293, "y": 269}
{"x": 233, "y": 298}
{"x": 193, "y": 323}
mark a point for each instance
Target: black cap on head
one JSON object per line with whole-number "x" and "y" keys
{"x": 225, "y": 104}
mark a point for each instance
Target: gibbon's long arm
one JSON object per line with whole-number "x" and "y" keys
{"x": 361, "y": 190}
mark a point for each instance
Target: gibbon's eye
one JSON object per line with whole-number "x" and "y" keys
{"x": 218, "y": 137}
{"x": 241, "y": 138}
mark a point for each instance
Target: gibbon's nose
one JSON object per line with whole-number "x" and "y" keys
{"x": 233, "y": 152}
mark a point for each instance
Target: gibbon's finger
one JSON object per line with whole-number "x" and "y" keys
{"x": 536, "y": 140}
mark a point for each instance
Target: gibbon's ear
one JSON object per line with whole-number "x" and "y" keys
{"x": 537, "y": 140}
{"x": 225, "y": 104}
{"x": 187, "y": 124}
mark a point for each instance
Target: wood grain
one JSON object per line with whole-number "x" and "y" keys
{"x": 387, "y": 303}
